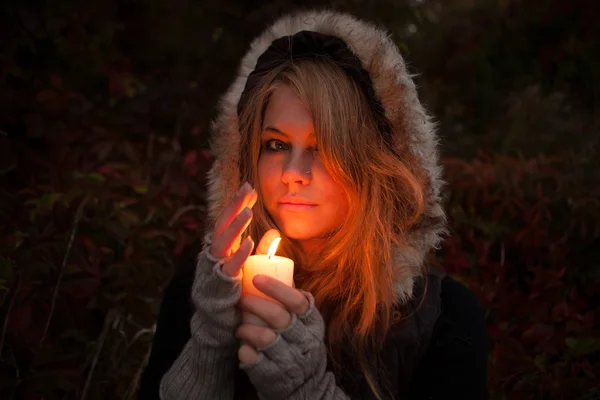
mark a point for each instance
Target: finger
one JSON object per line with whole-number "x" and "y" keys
{"x": 233, "y": 266}
{"x": 249, "y": 318}
{"x": 222, "y": 245}
{"x": 237, "y": 204}
{"x": 272, "y": 313}
{"x": 252, "y": 199}
{"x": 267, "y": 239}
{"x": 247, "y": 355}
{"x": 292, "y": 299}
{"x": 258, "y": 336}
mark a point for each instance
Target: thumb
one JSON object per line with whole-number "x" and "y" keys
{"x": 267, "y": 239}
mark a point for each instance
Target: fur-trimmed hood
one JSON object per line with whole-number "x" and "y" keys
{"x": 393, "y": 87}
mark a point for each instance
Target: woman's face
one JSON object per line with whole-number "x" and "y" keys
{"x": 299, "y": 194}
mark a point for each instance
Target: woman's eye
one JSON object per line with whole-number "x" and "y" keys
{"x": 276, "y": 145}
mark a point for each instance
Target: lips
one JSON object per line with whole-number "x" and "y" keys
{"x": 296, "y": 204}
{"x": 296, "y": 207}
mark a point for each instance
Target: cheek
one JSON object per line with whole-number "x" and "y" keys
{"x": 338, "y": 199}
{"x": 343, "y": 206}
{"x": 268, "y": 176}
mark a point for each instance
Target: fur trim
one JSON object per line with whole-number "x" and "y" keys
{"x": 397, "y": 92}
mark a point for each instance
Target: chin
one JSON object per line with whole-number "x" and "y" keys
{"x": 299, "y": 234}
{"x": 300, "y": 231}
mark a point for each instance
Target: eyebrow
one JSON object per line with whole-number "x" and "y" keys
{"x": 277, "y": 130}
{"x": 274, "y": 129}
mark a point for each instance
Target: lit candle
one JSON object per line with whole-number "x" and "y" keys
{"x": 280, "y": 268}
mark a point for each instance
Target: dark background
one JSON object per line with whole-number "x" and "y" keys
{"x": 105, "y": 107}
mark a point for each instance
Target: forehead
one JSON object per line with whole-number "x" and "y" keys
{"x": 287, "y": 113}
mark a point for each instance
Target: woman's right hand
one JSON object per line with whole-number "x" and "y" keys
{"x": 233, "y": 220}
{"x": 231, "y": 223}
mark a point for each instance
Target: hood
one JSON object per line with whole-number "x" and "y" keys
{"x": 394, "y": 90}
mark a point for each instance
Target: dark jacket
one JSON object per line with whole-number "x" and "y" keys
{"x": 453, "y": 363}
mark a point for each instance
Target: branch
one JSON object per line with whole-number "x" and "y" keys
{"x": 13, "y": 296}
{"x": 182, "y": 211}
{"x": 135, "y": 382}
{"x": 78, "y": 215}
{"x": 108, "y": 321}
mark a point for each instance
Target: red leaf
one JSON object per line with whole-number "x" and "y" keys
{"x": 181, "y": 242}
{"x": 588, "y": 319}
{"x": 538, "y": 333}
{"x": 128, "y": 250}
{"x": 190, "y": 163}
{"x": 56, "y": 81}
{"x": 117, "y": 82}
{"x": 560, "y": 312}
{"x": 46, "y": 96}
{"x": 105, "y": 169}
{"x": 20, "y": 319}
{"x": 192, "y": 226}
{"x": 588, "y": 369}
{"x": 207, "y": 155}
{"x": 88, "y": 243}
{"x": 107, "y": 251}
{"x": 190, "y": 158}
{"x": 80, "y": 285}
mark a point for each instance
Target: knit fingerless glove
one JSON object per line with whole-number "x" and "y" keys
{"x": 294, "y": 366}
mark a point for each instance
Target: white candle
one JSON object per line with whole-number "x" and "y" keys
{"x": 280, "y": 268}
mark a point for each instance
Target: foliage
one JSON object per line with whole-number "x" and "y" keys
{"x": 525, "y": 240}
{"x": 104, "y": 112}
{"x": 87, "y": 244}
{"x": 495, "y": 72}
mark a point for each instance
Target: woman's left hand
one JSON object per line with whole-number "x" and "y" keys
{"x": 277, "y": 315}
{"x": 287, "y": 359}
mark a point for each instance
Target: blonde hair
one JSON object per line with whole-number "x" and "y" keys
{"x": 352, "y": 280}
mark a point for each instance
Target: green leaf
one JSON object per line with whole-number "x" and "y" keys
{"x": 128, "y": 218}
{"x": 77, "y": 175}
{"x": 94, "y": 176}
{"x": 141, "y": 189}
{"x": 6, "y": 270}
{"x": 6, "y": 265}
{"x": 583, "y": 346}
{"x": 49, "y": 199}
{"x": 16, "y": 240}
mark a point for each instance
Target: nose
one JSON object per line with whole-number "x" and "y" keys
{"x": 297, "y": 170}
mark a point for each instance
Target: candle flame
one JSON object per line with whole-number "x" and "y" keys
{"x": 273, "y": 247}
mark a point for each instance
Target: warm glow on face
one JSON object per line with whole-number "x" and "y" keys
{"x": 273, "y": 247}
{"x": 302, "y": 198}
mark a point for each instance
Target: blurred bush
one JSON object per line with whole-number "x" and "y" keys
{"x": 525, "y": 239}
{"x": 104, "y": 112}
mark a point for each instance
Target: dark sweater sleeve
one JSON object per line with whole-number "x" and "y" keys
{"x": 455, "y": 364}
{"x": 172, "y": 331}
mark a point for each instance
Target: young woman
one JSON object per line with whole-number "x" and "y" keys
{"x": 339, "y": 158}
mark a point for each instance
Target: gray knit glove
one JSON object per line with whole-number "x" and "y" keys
{"x": 205, "y": 368}
{"x": 294, "y": 366}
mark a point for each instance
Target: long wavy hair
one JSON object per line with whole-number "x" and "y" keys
{"x": 353, "y": 279}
